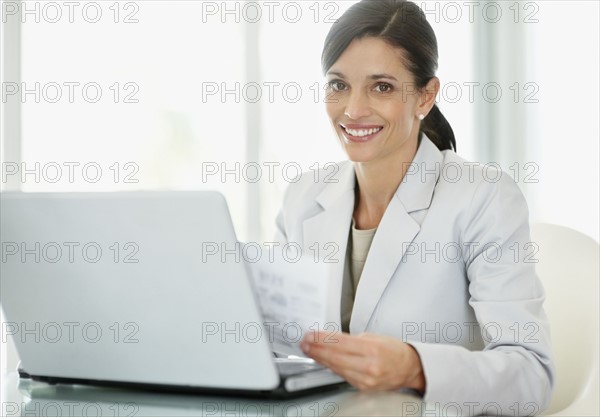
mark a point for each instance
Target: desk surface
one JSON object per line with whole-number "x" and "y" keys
{"x": 22, "y": 397}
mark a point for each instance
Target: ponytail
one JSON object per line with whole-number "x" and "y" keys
{"x": 437, "y": 128}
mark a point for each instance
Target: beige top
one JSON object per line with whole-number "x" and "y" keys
{"x": 358, "y": 249}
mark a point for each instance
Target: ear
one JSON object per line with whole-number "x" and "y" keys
{"x": 428, "y": 95}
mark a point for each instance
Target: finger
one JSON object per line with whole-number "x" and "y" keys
{"x": 340, "y": 361}
{"x": 343, "y": 368}
{"x": 324, "y": 337}
{"x": 341, "y": 343}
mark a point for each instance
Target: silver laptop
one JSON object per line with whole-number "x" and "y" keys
{"x": 115, "y": 289}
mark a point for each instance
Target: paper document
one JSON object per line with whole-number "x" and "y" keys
{"x": 293, "y": 299}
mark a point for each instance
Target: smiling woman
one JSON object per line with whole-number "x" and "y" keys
{"x": 433, "y": 293}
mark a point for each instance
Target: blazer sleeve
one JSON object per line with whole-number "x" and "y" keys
{"x": 514, "y": 373}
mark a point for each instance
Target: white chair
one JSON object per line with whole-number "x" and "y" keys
{"x": 568, "y": 267}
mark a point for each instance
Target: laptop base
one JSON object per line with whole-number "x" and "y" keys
{"x": 278, "y": 393}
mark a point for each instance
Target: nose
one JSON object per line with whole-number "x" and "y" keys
{"x": 357, "y": 106}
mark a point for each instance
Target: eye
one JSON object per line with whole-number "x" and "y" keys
{"x": 336, "y": 85}
{"x": 384, "y": 87}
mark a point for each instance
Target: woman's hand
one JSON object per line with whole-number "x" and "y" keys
{"x": 367, "y": 361}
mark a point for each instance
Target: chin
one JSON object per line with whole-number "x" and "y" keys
{"x": 358, "y": 153}
{"x": 355, "y": 155}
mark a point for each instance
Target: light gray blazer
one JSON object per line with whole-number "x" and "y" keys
{"x": 451, "y": 270}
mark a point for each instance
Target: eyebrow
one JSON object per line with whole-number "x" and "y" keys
{"x": 372, "y": 77}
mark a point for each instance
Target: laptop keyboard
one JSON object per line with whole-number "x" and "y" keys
{"x": 292, "y": 367}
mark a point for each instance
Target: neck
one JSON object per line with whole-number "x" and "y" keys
{"x": 377, "y": 182}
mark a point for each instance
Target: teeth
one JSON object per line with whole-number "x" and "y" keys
{"x": 363, "y": 132}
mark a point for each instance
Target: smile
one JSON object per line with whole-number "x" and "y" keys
{"x": 360, "y": 134}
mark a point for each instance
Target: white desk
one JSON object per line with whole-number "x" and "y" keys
{"x": 22, "y": 397}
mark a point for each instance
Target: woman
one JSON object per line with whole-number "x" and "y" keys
{"x": 447, "y": 302}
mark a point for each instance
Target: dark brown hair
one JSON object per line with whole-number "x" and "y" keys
{"x": 401, "y": 24}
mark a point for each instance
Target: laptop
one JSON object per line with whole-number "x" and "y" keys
{"x": 118, "y": 289}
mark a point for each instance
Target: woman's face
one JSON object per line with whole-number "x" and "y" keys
{"x": 372, "y": 101}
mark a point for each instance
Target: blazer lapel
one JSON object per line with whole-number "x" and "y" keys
{"x": 328, "y": 233}
{"x": 396, "y": 231}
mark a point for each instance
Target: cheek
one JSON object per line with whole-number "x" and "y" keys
{"x": 400, "y": 115}
{"x": 334, "y": 110}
